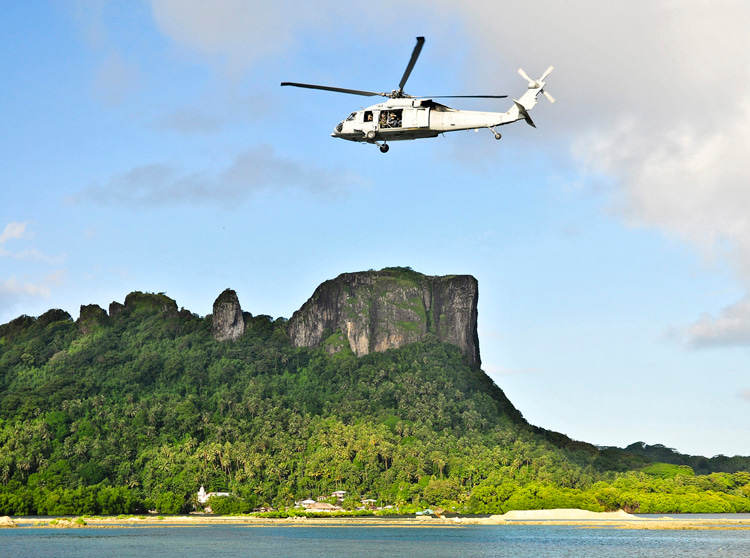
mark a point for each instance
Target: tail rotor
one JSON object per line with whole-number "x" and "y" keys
{"x": 538, "y": 83}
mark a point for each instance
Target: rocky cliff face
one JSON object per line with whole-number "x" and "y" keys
{"x": 91, "y": 316}
{"x": 379, "y": 310}
{"x": 228, "y": 322}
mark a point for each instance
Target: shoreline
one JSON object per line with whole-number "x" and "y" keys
{"x": 566, "y": 517}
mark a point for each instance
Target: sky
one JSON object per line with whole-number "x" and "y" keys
{"x": 147, "y": 146}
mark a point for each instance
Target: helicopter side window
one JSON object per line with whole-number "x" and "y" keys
{"x": 368, "y": 116}
{"x": 432, "y": 105}
{"x": 391, "y": 118}
{"x": 351, "y": 117}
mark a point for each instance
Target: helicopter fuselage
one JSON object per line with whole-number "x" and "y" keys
{"x": 409, "y": 118}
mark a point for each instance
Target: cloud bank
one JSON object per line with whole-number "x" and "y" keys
{"x": 731, "y": 327}
{"x": 15, "y": 291}
{"x": 653, "y": 103}
{"x": 13, "y": 231}
{"x": 238, "y": 33}
{"x": 252, "y": 172}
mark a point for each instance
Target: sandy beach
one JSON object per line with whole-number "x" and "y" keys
{"x": 574, "y": 517}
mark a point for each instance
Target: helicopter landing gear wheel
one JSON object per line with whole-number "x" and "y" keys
{"x": 384, "y": 148}
{"x": 370, "y": 135}
{"x": 497, "y": 135}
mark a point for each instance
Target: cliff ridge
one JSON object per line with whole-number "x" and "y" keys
{"x": 372, "y": 311}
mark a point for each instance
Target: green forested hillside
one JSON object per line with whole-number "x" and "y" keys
{"x": 134, "y": 411}
{"x": 698, "y": 463}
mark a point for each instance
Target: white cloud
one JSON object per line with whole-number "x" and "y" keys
{"x": 14, "y": 291}
{"x": 34, "y": 255}
{"x": 13, "y": 231}
{"x": 238, "y": 32}
{"x": 731, "y": 327}
{"x": 18, "y": 231}
{"x": 690, "y": 183}
{"x": 652, "y": 100}
{"x": 679, "y": 160}
{"x": 16, "y": 294}
{"x": 14, "y": 287}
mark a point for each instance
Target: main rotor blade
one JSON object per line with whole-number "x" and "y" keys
{"x": 412, "y": 61}
{"x": 462, "y": 97}
{"x": 335, "y": 89}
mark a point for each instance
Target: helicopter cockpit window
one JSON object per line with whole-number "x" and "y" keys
{"x": 351, "y": 117}
{"x": 368, "y": 116}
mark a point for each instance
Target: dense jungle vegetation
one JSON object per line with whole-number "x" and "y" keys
{"x": 136, "y": 410}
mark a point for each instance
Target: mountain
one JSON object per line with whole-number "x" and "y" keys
{"x": 136, "y": 407}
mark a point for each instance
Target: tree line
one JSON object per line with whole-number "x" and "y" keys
{"x": 133, "y": 412}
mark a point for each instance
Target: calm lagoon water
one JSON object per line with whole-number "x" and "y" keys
{"x": 413, "y": 542}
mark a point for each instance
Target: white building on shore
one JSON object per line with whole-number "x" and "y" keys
{"x": 203, "y": 496}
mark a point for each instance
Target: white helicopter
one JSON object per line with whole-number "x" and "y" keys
{"x": 403, "y": 117}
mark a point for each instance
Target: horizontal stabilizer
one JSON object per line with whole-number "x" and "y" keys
{"x": 522, "y": 110}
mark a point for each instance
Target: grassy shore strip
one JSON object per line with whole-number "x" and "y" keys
{"x": 578, "y": 518}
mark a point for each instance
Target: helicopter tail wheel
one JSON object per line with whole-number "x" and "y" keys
{"x": 384, "y": 148}
{"x": 497, "y": 135}
{"x": 370, "y": 135}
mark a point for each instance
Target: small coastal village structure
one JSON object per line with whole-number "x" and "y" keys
{"x": 203, "y": 497}
{"x": 322, "y": 504}
{"x": 322, "y": 507}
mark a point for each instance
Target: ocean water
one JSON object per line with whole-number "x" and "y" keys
{"x": 412, "y": 542}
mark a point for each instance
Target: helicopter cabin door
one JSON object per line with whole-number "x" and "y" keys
{"x": 419, "y": 117}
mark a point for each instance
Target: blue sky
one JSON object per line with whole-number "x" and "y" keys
{"x": 148, "y": 146}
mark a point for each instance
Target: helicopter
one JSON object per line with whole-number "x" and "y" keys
{"x": 404, "y": 117}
